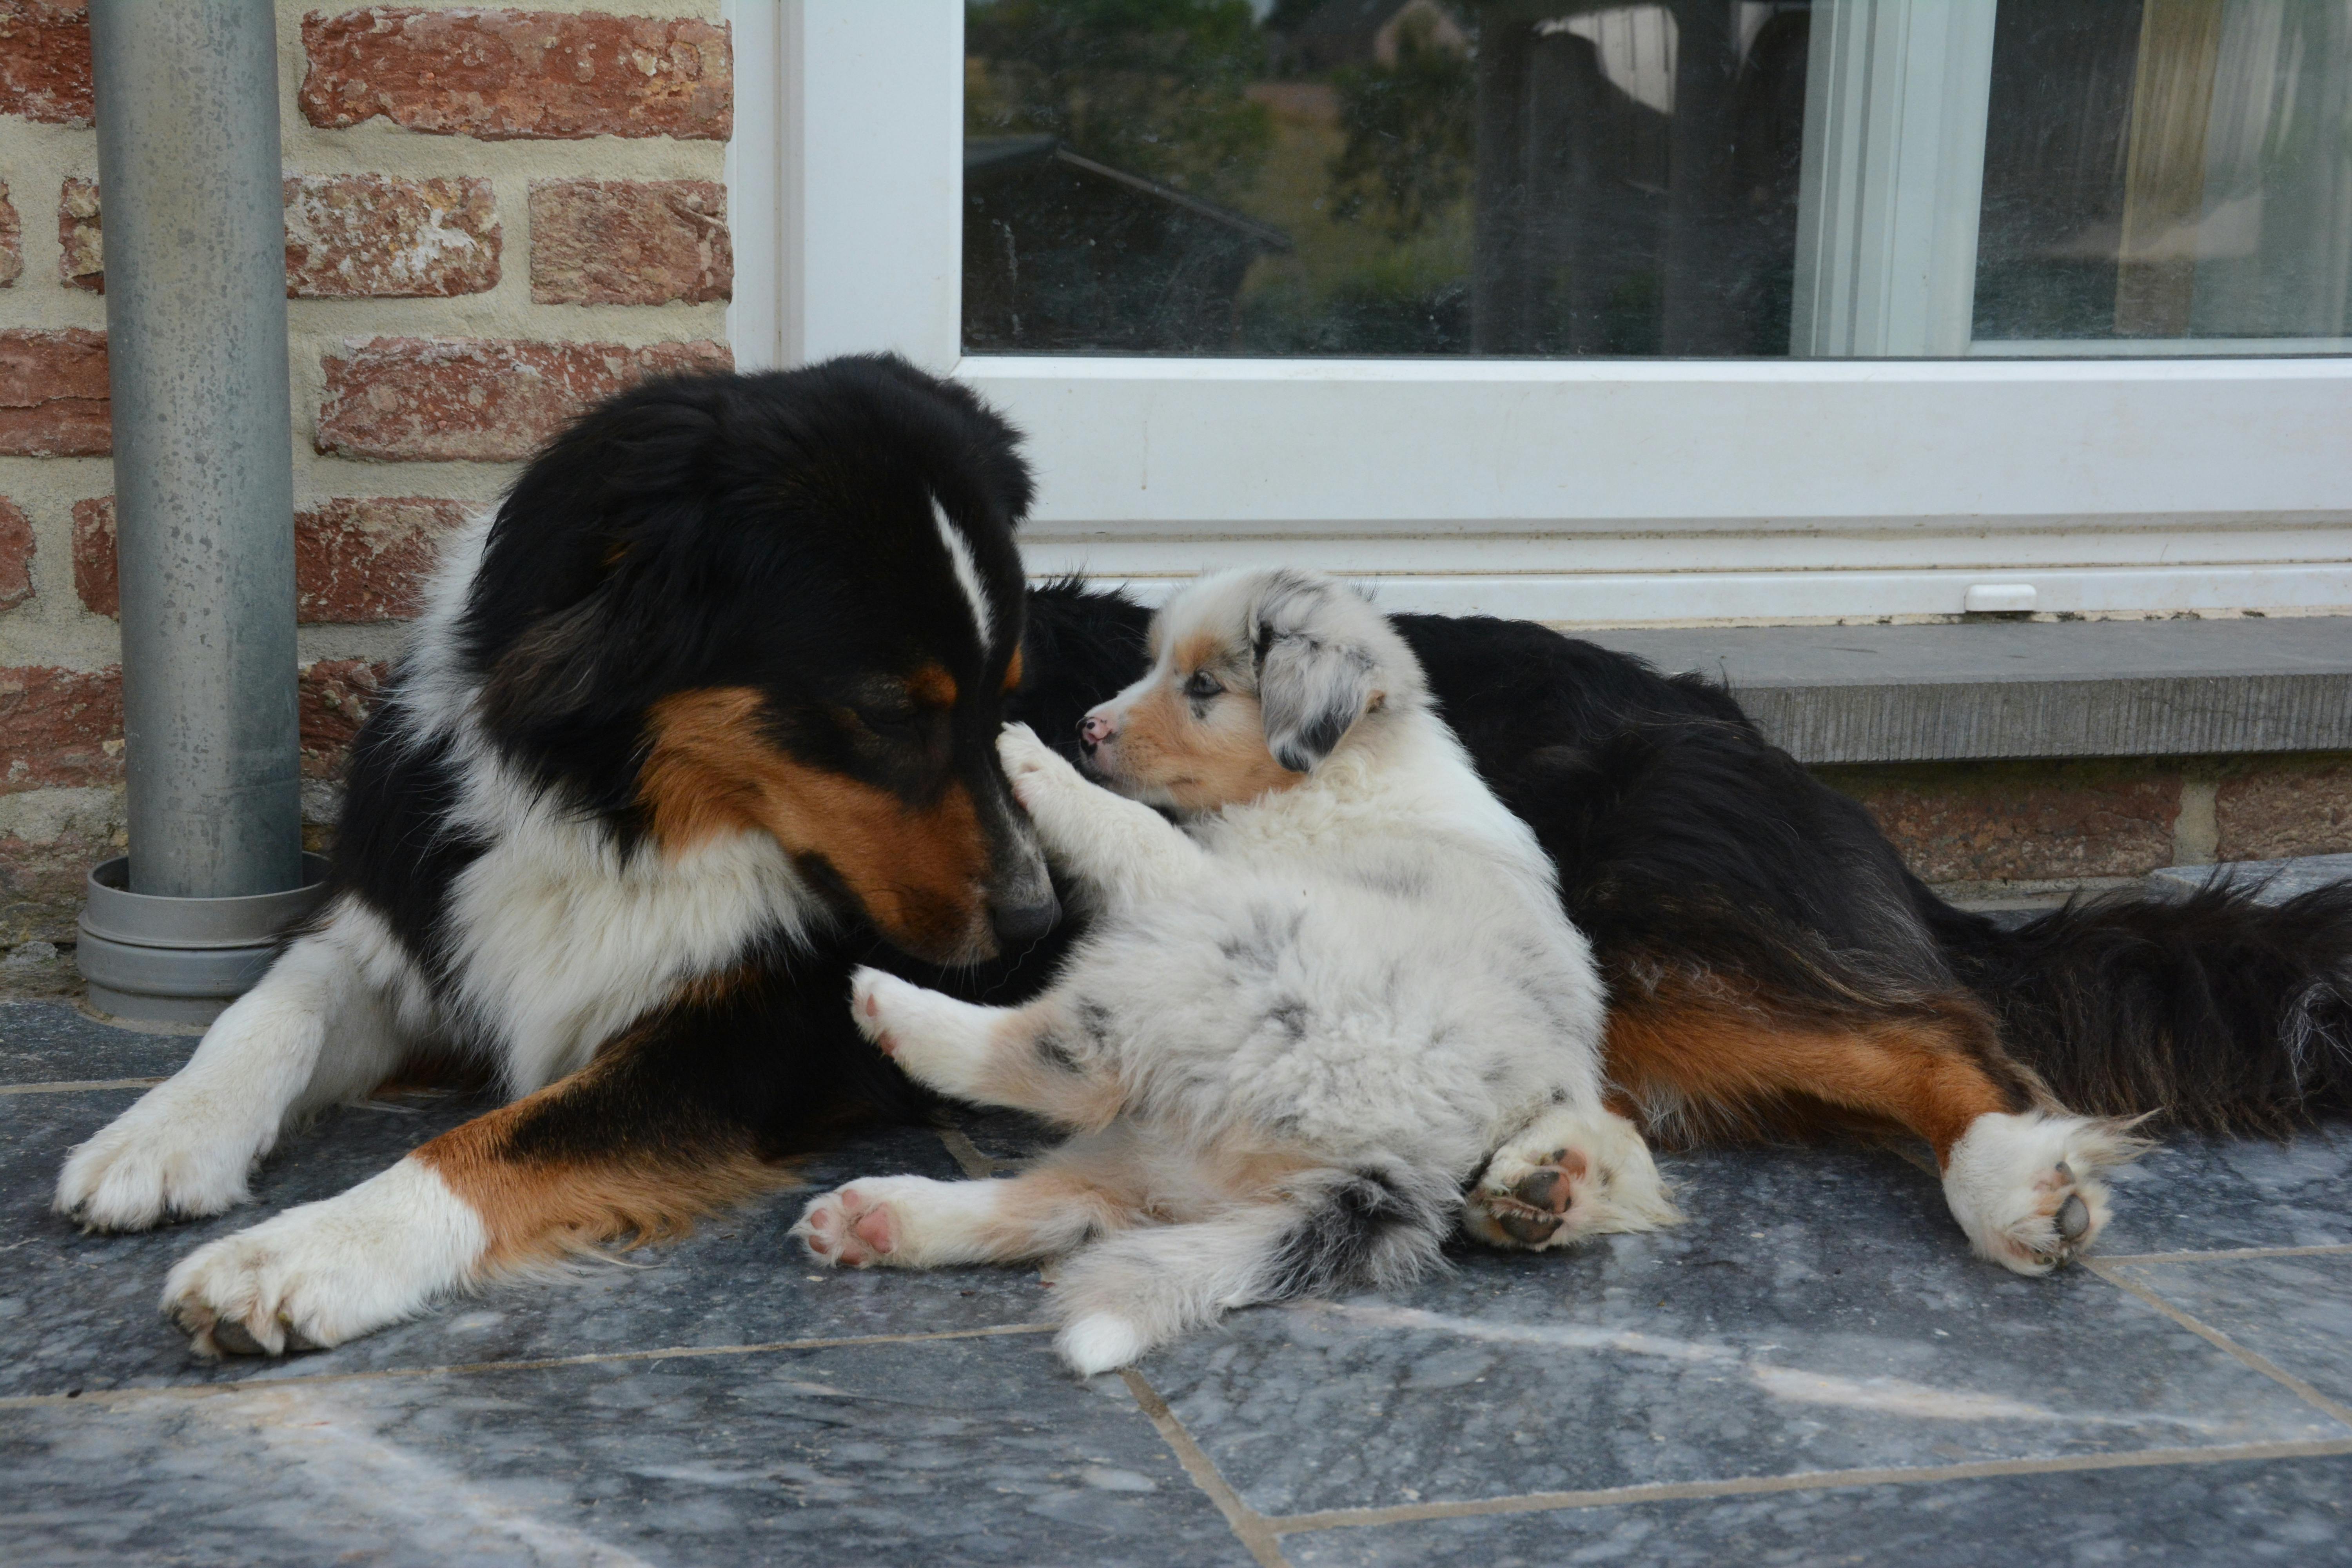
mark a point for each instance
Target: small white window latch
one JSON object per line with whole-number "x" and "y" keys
{"x": 1998, "y": 598}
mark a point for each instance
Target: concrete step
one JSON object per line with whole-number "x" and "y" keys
{"x": 2013, "y": 689}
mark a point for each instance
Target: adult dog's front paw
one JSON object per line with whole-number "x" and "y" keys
{"x": 326, "y": 1272}
{"x": 177, "y": 1155}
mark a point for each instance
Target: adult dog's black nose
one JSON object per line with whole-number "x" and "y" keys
{"x": 1018, "y": 925}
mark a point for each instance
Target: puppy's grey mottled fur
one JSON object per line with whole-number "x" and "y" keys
{"x": 1303, "y": 1020}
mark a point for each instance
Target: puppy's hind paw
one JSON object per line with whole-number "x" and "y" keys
{"x": 1568, "y": 1175}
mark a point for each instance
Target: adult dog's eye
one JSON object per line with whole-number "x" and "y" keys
{"x": 1202, "y": 686}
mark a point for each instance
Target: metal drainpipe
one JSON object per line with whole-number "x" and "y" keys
{"x": 195, "y": 315}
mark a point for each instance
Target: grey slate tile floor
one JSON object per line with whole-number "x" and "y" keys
{"x": 1811, "y": 1370}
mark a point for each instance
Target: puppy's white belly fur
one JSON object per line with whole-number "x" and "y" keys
{"x": 324, "y": 1272}
{"x": 1353, "y": 1021}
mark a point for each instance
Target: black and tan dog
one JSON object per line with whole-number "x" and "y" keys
{"x": 707, "y": 716}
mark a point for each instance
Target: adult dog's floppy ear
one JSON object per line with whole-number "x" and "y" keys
{"x": 1314, "y": 680}
{"x": 550, "y": 672}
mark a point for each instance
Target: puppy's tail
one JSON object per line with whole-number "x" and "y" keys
{"x": 2214, "y": 1010}
{"x": 1380, "y": 1224}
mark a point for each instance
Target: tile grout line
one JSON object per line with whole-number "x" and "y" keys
{"x": 78, "y": 1086}
{"x": 967, "y": 1153}
{"x": 2233, "y": 1255}
{"x": 2223, "y": 1342}
{"x": 1812, "y": 1480}
{"x": 539, "y": 1363}
{"x": 1249, "y": 1525}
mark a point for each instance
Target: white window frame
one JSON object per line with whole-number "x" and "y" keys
{"x": 1576, "y": 491}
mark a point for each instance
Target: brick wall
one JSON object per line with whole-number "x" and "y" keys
{"x": 492, "y": 216}
{"x": 1984, "y": 827}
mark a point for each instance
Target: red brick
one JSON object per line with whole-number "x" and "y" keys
{"x": 12, "y": 241}
{"x": 354, "y": 236}
{"x": 355, "y": 561}
{"x": 629, "y": 242}
{"x": 53, "y": 394}
{"x": 16, "y": 556}
{"x": 335, "y": 696}
{"x": 500, "y": 75}
{"x": 81, "y": 250}
{"x": 2271, "y": 809}
{"x": 347, "y": 237}
{"x": 359, "y": 561}
{"x": 422, "y": 399}
{"x": 45, "y": 60}
{"x": 59, "y": 727}
{"x": 96, "y": 582}
{"x": 1999, "y": 822}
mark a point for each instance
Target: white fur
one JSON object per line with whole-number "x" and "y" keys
{"x": 321, "y": 1273}
{"x": 917, "y": 1223}
{"x": 188, "y": 1146}
{"x": 1365, "y": 976}
{"x": 2010, "y": 1176}
{"x": 967, "y": 576}
{"x": 1618, "y": 1190}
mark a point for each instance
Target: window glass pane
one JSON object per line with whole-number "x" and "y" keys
{"x": 1710, "y": 177}
{"x": 2180, "y": 169}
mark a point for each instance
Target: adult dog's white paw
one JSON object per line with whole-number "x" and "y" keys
{"x": 2026, "y": 1188}
{"x": 178, "y": 1153}
{"x": 1567, "y": 1175}
{"x": 326, "y": 1272}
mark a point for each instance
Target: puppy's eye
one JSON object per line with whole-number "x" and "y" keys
{"x": 1202, "y": 686}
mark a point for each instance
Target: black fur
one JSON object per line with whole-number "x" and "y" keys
{"x": 1379, "y": 1226}
{"x": 2215, "y": 1010}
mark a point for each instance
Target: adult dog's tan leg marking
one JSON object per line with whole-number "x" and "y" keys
{"x": 2020, "y": 1174}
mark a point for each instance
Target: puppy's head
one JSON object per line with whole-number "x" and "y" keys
{"x": 788, "y": 604}
{"x": 1256, "y": 677}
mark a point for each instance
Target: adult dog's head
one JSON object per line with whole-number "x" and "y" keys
{"x": 787, "y": 602}
{"x": 1255, "y": 679}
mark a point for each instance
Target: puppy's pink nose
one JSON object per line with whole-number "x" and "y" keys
{"x": 1093, "y": 729}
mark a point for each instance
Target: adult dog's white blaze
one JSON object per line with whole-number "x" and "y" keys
{"x": 967, "y": 575}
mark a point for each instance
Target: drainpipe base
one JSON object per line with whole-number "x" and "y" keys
{"x": 151, "y": 959}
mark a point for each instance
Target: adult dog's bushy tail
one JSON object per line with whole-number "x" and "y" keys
{"x": 2213, "y": 1010}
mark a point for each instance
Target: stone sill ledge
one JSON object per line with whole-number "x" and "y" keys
{"x": 2022, "y": 690}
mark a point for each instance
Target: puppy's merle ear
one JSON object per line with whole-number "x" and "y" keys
{"x": 1313, "y": 681}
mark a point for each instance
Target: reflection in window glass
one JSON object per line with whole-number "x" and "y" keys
{"x": 1709, "y": 177}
